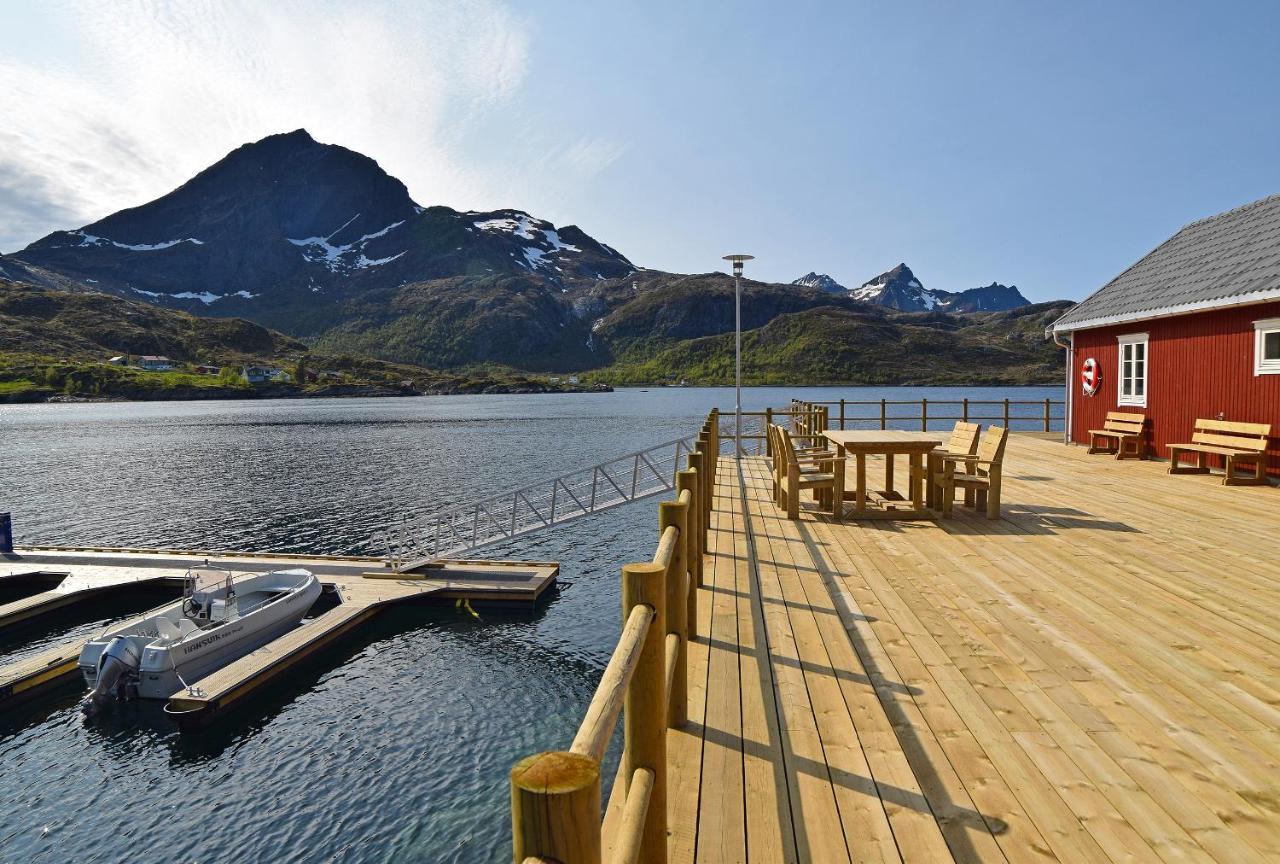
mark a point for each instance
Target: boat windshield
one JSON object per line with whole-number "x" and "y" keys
{"x": 204, "y": 581}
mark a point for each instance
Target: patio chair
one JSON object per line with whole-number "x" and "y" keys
{"x": 963, "y": 442}
{"x": 984, "y": 482}
{"x": 823, "y": 474}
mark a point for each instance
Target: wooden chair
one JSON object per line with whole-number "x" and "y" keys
{"x": 963, "y": 442}
{"x": 984, "y": 481}
{"x": 1123, "y": 429}
{"x": 808, "y": 458}
{"x": 1234, "y": 442}
{"x": 823, "y": 474}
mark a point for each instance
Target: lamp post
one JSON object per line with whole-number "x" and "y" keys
{"x": 737, "y": 350}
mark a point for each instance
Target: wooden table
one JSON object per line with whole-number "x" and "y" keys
{"x": 888, "y": 443}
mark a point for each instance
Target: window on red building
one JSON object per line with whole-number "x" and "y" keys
{"x": 1132, "y": 380}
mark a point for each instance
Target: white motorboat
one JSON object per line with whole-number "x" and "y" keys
{"x": 219, "y": 619}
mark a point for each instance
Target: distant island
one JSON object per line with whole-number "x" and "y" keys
{"x": 289, "y": 251}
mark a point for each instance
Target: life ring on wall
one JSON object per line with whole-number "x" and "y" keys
{"x": 1090, "y": 376}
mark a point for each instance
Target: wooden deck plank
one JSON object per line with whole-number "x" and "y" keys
{"x": 831, "y": 750}
{"x": 914, "y": 828}
{"x": 721, "y": 806}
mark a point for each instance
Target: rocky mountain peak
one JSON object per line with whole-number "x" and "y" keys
{"x": 897, "y": 288}
{"x": 821, "y": 281}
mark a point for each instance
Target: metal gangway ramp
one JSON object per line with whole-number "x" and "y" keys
{"x": 454, "y": 532}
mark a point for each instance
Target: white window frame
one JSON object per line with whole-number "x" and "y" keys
{"x": 1261, "y": 365}
{"x": 1125, "y": 341}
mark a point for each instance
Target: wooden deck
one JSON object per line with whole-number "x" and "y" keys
{"x": 1094, "y": 677}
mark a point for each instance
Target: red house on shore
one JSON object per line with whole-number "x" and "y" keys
{"x": 1190, "y": 331}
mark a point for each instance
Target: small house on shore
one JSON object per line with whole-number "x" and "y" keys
{"x": 262, "y": 374}
{"x": 152, "y": 363}
{"x": 1191, "y": 331}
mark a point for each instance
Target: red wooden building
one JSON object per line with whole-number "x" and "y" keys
{"x": 1190, "y": 331}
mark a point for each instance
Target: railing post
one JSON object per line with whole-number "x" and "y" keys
{"x": 697, "y": 463}
{"x": 768, "y": 442}
{"x": 1006, "y": 412}
{"x": 555, "y": 808}
{"x": 884, "y": 417}
{"x": 965, "y": 410}
{"x": 1046, "y": 415}
{"x": 688, "y": 479}
{"x": 924, "y": 415}
{"x": 644, "y": 713}
{"x": 842, "y": 414}
{"x": 676, "y": 513}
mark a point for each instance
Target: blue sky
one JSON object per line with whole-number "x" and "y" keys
{"x": 1047, "y": 145}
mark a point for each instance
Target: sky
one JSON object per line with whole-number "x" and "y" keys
{"x": 1047, "y": 145}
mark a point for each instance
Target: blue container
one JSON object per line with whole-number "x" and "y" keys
{"x": 6, "y": 534}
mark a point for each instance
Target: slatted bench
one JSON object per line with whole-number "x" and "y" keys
{"x": 1122, "y": 429}
{"x": 1234, "y": 442}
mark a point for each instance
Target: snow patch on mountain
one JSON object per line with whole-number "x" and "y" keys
{"x": 342, "y": 258}
{"x": 94, "y": 240}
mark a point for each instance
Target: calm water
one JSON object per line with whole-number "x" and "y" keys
{"x": 394, "y": 746}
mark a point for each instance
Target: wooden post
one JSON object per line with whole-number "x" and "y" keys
{"x": 1006, "y": 412}
{"x": 768, "y": 442}
{"x": 677, "y": 514}
{"x": 884, "y": 418}
{"x": 1046, "y": 415}
{"x": 965, "y": 411}
{"x": 924, "y": 415}
{"x": 688, "y": 479}
{"x": 697, "y": 461}
{"x": 555, "y": 808}
{"x": 842, "y": 414}
{"x": 644, "y": 717}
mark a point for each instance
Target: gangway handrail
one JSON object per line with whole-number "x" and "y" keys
{"x": 632, "y": 476}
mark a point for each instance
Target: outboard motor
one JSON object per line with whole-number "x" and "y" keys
{"x": 117, "y": 666}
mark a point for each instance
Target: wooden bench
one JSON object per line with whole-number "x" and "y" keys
{"x": 1122, "y": 429}
{"x": 1234, "y": 442}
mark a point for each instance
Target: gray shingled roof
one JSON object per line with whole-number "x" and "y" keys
{"x": 1226, "y": 260}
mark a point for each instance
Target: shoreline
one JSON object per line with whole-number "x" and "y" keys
{"x": 337, "y": 391}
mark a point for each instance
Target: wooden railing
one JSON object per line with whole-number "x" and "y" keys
{"x": 555, "y": 796}
{"x": 810, "y": 419}
{"x": 839, "y": 414}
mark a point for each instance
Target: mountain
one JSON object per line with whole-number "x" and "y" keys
{"x": 821, "y": 281}
{"x": 83, "y": 326}
{"x": 286, "y": 230}
{"x": 901, "y": 289}
{"x": 898, "y": 289}
{"x": 989, "y": 298}
{"x": 319, "y": 242}
{"x": 865, "y": 345}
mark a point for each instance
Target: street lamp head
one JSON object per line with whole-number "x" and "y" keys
{"x": 737, "y": 262}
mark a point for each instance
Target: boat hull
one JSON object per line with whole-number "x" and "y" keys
{"x": 166, "y": 669}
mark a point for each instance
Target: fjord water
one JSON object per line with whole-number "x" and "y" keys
{"x": 395, "y": 744}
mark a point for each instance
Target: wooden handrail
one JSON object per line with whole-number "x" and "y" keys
{"x": 555, "y": 797}
{"x": 634, "y": 812}
{"x": 602, "y": 714}
{"x": 666, "y": 550}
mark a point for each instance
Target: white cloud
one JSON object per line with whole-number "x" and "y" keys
{"x": 158, "y": 91}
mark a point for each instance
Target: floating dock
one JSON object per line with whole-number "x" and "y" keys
{"x": 55, "y": 578}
